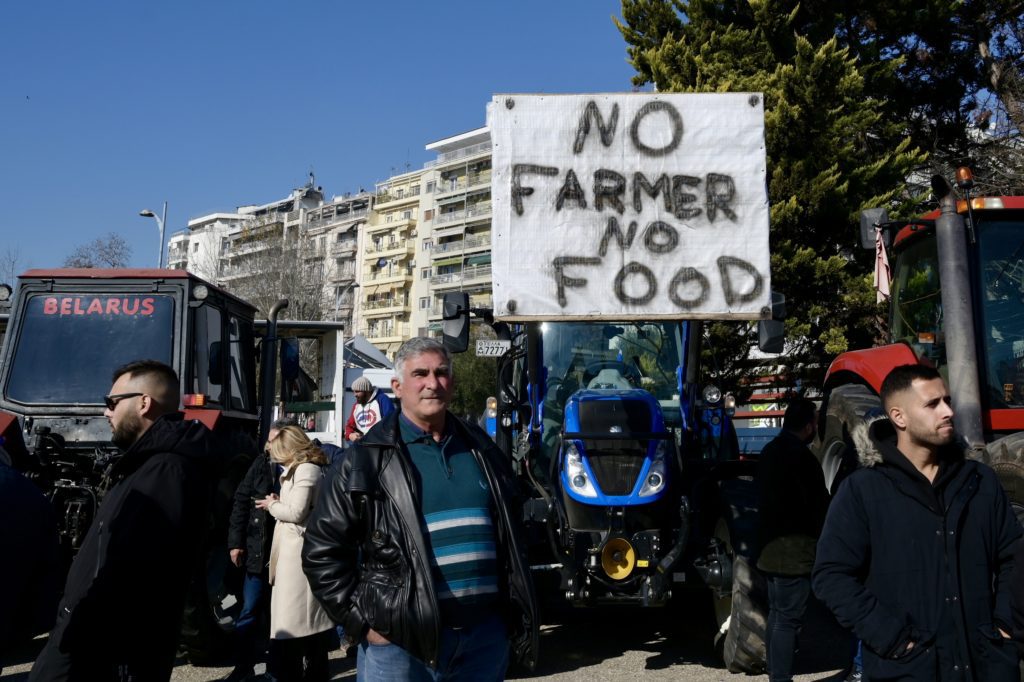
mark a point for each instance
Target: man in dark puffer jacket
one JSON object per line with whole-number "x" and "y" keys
{"x": 121, "y": 612}
{"x": 917, "y": 551}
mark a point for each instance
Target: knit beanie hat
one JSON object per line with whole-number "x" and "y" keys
{"x": 362, "y": 384}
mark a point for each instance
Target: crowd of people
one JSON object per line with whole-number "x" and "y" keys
{"x": 408, "y": 544}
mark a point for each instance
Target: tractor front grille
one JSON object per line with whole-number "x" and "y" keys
{"x": 616, "y": 464}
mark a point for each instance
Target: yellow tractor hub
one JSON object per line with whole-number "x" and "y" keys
{"x": 618, "y": 558}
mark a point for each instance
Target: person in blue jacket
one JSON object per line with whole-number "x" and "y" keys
{"x": 917, "y": 552}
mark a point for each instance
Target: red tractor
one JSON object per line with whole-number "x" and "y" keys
{"x": 957, "y": 303}
{"x": 67, "y": 331}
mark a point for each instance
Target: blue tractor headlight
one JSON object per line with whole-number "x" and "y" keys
{"x": 575, "y": 472}
{"x": 656, "y": 475}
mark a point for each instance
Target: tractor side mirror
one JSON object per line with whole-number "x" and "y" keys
{"x": 771, "y": 334}
{"x": 455, "y": 324}
{"x": 869, "y": 218}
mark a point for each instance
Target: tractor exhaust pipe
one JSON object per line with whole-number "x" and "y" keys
{"x": 958, "y": 314}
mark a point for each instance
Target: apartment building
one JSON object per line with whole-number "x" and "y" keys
{"x": 383, "y": 259}
{"x": 332, "y": 236}
{"x": 388, "y": 284}
{"x": 457, "y": 251}
{"x": 199, "y": 247}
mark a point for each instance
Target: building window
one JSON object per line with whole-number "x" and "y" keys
{"x": 195, "y": 247}
{"x": 425, "y": 273}
{"x": 428, "y": 214}
{"x": 424, "y": 302}
{"x": 430, "y": 187}
{"x": 406, "y": 215}
{"x": 427, "y": 244}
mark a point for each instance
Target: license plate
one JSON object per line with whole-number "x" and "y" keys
{"x": 492, "y": 348}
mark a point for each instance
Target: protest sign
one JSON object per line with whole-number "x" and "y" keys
{"x": 629, "y": 206}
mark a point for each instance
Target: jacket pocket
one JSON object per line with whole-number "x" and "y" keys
{"x": 997, "y": 657}
{"x": 920, "y": 663}
{"x": 383, "y": 604}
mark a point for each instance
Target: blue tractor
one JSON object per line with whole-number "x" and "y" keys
{"x": 632, "y": 467}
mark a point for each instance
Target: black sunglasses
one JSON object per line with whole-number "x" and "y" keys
{"x": 111, "y": 401}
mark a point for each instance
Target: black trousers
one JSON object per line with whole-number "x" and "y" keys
{"x": 300, "y": 659}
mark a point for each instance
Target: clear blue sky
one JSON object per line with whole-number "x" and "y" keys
{"x": 110, "y": 107}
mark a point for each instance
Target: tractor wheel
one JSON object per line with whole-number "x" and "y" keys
{"x": 848, "y": 406}
{"x": 1006, "y": 457}
{"x": 742, "y": 613}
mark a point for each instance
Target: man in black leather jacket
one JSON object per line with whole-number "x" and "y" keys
{"x": 414, "y": 546}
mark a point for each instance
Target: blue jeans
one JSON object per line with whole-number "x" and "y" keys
{"x": 255, "y": 591}
{"x": 472, "y": 654}
{"x": 787, "y": 604}
{"x": 248, "y": 640}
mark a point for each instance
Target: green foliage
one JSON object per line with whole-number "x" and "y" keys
{"x": 475, "y": 377}
{"x": 831, "y": 151}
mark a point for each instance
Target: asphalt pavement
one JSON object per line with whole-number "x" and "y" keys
{"x": 671, "y": 643}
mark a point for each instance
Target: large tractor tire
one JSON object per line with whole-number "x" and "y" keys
{"x": 848, "y": 407}
{"x": 1006, "y": 456}
{"x": 741, "y": 613}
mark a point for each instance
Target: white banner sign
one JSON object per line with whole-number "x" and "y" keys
{"x": 629, "y": 206}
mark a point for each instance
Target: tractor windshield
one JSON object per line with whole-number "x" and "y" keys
{"x": 1001, "y": 267}
{"x": 917, "y": 303}
{"x": 622, "y": 355}
{"x": 69, "y": 345}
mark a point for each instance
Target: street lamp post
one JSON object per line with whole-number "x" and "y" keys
{"x": 160, "y": 221}
{"x": 340, "y": 414}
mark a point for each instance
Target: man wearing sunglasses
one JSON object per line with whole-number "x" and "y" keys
{"x": 122, "y": 605}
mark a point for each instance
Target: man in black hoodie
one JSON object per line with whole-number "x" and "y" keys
{"x": 917, "y": 551}
{"x": 121, "y": 611}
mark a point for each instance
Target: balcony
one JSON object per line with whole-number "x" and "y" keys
{"x": 389, "y": 277}
{"x": 389, "y": 333}
{"x": 386, "y": 248}
{"x": 475, "y": 212}
{"x": 464, "y": 184}
{"x": 342, "y": 276}
{"x": 387, "y": 197}
{"x": 474, "y": 243}
{"x": 399, "y": 224}
{"x": 344, "y": 247}
{"x": 384, "y": 307}
{"x": 468, "y": 275}
{"x": 328, "y": 219}
{"x": 458, "y": 154}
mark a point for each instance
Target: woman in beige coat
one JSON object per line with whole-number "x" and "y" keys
{"x": 299, "y": 627}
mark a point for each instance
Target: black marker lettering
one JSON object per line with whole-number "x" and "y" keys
{"x": 570, "y": 190}
{"x": 635, "y": 268}
{"x": 518, "y": 191}
{"x": 720, "y": 191}
{"x": 612, "y": 231}
{"x": 680, "y": 197}
{"x": 610, "y": 186}
{"x": 682, "y": 278}
{"x": 674, "y": 118}
{"x": 562, "y": 281}
{"x": 607, "y": 131}
{"x": 732, "y": 297}
{"x": 640, "y": 182}
{"x": 660, "y": 237}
